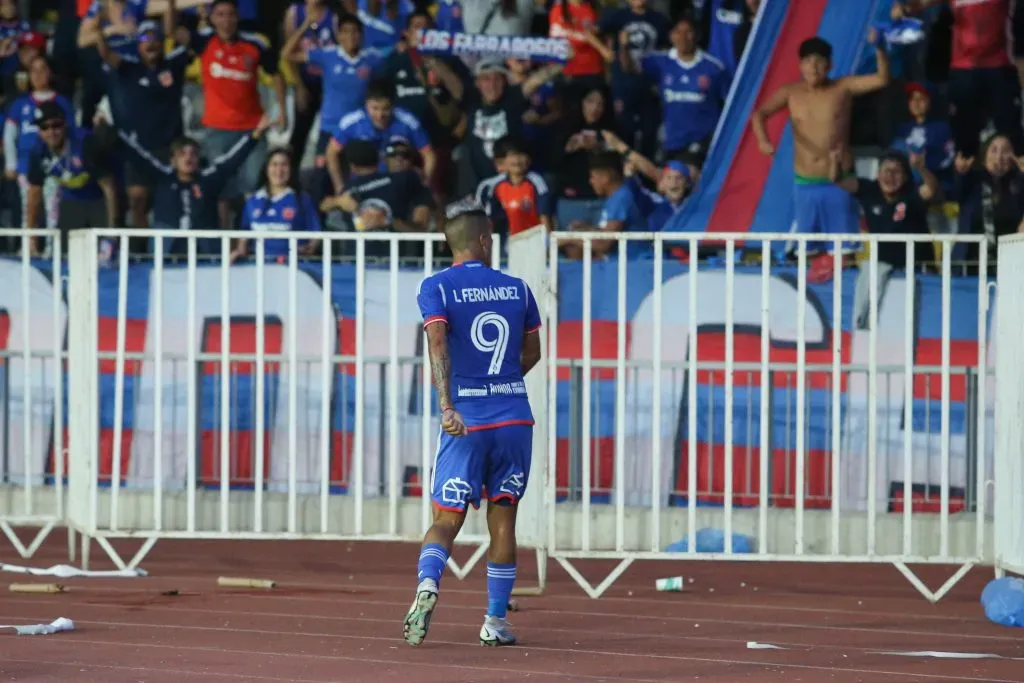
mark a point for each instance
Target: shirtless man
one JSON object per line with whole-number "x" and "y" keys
{"x": 819, "y": 109}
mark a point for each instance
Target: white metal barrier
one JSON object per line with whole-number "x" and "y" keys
{"x": 192, "y": 381}
{"x": 238, "y": 399}
{"x": 32, "y": 315}
{"x": 1009, "y": 451}
{"x": 760, "y": 325}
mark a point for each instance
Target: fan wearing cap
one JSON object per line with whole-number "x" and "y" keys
{"x": 923, "y": 134}
{"x": 429, "y": 95}
{"x": 88, "y": 196}
{"x": 378, "y": 122}
{"x": 399, "y": 156}
{"x": 493, "y": 109}
{"x": 21, "y": 136}
{"x": 674, "y": 182}
{"x": 147, "y": 87}
{"x": 381, "y": 201}
{"x": 819, "y": 111}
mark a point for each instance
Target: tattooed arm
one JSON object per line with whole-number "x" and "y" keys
{"x": 441, "y": 372}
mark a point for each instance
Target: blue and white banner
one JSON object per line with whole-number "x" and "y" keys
{"x": 535, "y": 48}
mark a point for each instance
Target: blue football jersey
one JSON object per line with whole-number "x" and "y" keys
{"x": 359, "y": 126}
{"x": 281, "y": 213}
{"x": 21, "y": 114}
{"x": 692, "y": 95}
{"x": 345, "y": 78}
{"x": 487, "y": 313}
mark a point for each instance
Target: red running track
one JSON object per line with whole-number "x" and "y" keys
{"x": 336, "y": 616}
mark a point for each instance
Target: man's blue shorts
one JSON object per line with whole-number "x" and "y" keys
{"x": 492, "y": 463}
{"x": 825, "y": 208}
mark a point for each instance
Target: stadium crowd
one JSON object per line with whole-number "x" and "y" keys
{"x": 326, "y": 116}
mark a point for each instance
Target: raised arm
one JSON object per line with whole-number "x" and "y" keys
{"x": 642, "y": 163}
{"x": 142, "y": 156}
{"x": 778, "y": 101}
{"x": 291, "y": 50}
{"x": 226, "y": 165}
{"x": 111, "y": 58}
{"x": 540, "y": 77}
{"x": 861, "y": 85}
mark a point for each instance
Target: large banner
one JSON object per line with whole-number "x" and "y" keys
{"x": 305, "y": 319}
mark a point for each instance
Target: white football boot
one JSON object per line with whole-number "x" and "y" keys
{"x": 417, "y": 620}
{"x": 496, "y": 632}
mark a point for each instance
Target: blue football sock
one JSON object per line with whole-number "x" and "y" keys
{"x": 433, "y": 558}
{"x": 500, "y": 579}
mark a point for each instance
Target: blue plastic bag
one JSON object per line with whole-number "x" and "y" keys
{"x": 713, "y": 541}
{"x": 1003, "y": 600}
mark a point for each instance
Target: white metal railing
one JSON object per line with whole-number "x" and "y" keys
{"x": 31, "y": 352}
{"x": 320, "y": 350}
{"x": 1009, "y": 451}
{"x": 178, "y": 477}
{"x": 722, "y": 299}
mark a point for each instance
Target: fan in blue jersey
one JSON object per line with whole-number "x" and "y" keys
{"x": 619, "y": 213}
{"x": 384, "y": 21}
{"x": 693, "y": 87}
{"x": 279, "y": 206}
{"x": 482, "y": 333}
{"x": 926, "y": 135}
{"x": 379, "y": 122}
{"x": 345, "y": 69}
{"x": 21, "y": 135}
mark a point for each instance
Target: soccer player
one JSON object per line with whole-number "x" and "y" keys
{"x": 482, "y": 333}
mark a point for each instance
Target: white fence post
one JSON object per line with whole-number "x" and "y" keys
{"x": 83, "y": 383}
{"x": 528, "y": 259}
{"x": 1009, "y": 438}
